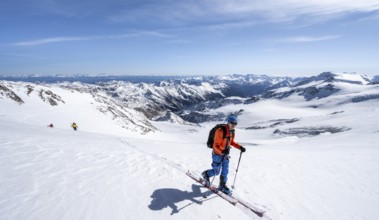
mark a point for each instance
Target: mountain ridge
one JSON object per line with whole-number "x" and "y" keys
{"x": 136, "y": 105}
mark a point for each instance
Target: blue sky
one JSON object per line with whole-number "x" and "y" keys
{"x": 168, "y": 37}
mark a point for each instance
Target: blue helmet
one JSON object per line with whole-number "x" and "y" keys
{"x": 232, "y": 119}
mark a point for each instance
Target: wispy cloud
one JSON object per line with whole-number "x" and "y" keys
{"x": 238, "y": 14}
{"x": 290, "y": 9}
{"x": 216, "y": 11}
{"x": 89, "y": 38}
{"x": 305, "y": 39}
{"x": 218, "y": 14}
{"x": 50, "y": 40}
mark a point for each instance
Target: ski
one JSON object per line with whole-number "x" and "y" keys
{"x": 249, "y": 206}
{"x": 230, "y": 198}
{"x": 212, "y": 188}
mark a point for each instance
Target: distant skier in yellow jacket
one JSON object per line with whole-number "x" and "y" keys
{"x": 74, "y": 126}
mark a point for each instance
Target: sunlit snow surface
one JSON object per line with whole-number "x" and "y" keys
{"x": 58, "y": 173}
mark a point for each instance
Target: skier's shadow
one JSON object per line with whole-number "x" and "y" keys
{"x": 163, "y": 198}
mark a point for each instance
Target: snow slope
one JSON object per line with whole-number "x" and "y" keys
{"x": 92, "y": 112}
{"x": 301, "y": 163}
{"x": 59, "y": 174}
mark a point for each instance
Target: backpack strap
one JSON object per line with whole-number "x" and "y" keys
{"x": 226, "y": 148}
{"x": 224, "y": 131}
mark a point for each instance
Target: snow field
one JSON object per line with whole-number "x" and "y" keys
{"x": 105, "y": 172}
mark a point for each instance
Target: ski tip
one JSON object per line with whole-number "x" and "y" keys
{"x": 260, "y": 214}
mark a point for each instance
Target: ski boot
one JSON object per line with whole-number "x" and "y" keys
{"x": 223, "y": 188}
{"x": 206, "y": 177}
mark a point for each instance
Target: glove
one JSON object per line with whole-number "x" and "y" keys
{"x": 242, "y": 149}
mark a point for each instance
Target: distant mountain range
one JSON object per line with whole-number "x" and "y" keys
{"x": 183, "y": 99}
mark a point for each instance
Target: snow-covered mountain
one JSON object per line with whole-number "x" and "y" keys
{"x": 355, "y": 86}
{"x": 60, "y": 104}
{"x": 311, "y": 148}
{"x": 375, "y": 80}
{"x": 186, "y": 97}
{"x": 135, "y": 105}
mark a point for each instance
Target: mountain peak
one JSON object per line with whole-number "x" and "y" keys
{"x": 353, "y": 78}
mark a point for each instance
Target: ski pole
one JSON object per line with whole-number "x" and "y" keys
{"x": 235, "y": 177}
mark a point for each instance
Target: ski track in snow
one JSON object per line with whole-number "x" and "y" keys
{"x": 46, "y": 177}
{"x": 184, "y": 171}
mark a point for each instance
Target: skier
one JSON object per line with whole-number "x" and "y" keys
{"x": 74, "y": 126}
{"x": 220, "y": 153}
{"x": 50, "y": 126}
